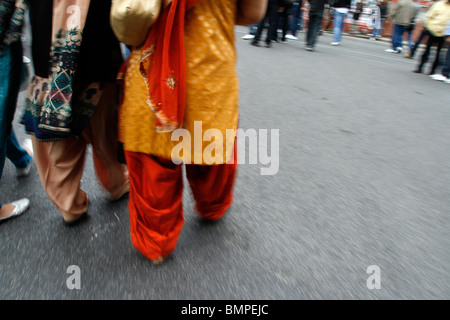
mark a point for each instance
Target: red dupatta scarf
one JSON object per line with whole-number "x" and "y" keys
{"x": 163, "y": 66}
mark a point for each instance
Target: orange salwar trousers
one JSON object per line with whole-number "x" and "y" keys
{"x": 60, "y": 164}
{"x": 155, "y": 199}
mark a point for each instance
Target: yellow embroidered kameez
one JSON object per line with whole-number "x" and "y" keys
{"x": 211, "y": 90}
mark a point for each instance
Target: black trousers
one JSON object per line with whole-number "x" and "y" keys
{"x": 432, "y": 40}
{"x": 271, "y": 18}
{"x": 314, "y": 26}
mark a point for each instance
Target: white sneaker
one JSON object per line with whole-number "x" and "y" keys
{"x": 20, "y": 206}
{"x": 335, "y": 43}
{"x": 248, "y": 37}
{"x": 28, "y": 146}
{"x": 390, "y": 50}
{"x": 438, "y": 77}
{"x": 399, "y": 50}
{"x": 289, "y": 36}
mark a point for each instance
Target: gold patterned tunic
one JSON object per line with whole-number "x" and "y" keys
{"x": 211, "y": 92}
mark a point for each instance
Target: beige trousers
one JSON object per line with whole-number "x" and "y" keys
{"x": 61, "y": 163}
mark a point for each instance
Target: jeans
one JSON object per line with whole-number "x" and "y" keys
{"x": 10, "y": 70}
{"x": 338, "y": 25}
{"x": 14, "y": 152}
{"x": 297, "y": 18}
{"x": 397, "y": 37}
{"x": 315, "y": 22}
{"x": 252, "y": 28}
{"x": 376, "y": 31}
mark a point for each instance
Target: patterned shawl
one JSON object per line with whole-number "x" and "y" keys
{"x": 52, "y": 111}
{"x": 163, "y": 66}
{"x": 69, "y": 17}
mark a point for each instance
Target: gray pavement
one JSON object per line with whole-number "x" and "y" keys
{"x": 363, "y": 181}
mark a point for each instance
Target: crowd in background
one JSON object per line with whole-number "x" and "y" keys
{"x": 407, "y": 24}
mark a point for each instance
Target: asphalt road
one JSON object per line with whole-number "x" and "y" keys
{"x": 363, "y": 180}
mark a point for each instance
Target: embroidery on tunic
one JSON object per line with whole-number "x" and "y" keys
{"x": 171, "y": 82}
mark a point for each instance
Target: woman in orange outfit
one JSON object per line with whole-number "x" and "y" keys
{"x": 183, "y": 79}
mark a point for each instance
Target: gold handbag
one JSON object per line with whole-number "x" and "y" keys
{"x": 131, "y": 19}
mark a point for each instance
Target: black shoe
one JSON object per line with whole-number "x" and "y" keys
{"x": 255, "y": 43}
{"x": 417, "y": 71}
{"x": 269, "y": 45}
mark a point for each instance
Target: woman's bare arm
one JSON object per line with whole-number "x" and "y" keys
{"x": 250, "y": 11}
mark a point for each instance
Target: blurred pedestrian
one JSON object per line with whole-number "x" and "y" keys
{"x": 328, "y": 14}
{"x": 410, "y": 28}
{"x": 436, "y": 23}
{"x": 383, "y": 14}
{"x": 72, "y": 101}
{"x": 271, "y": 20}
{"x": 401, "y": 14}
{"x": 297, "y": 20}
{"x": 375, "y": 20}
{"x": 341, "y": 9}
{"x": 420, "y": 18}
{"x": 356, "y": 14}
{"x": 315, "y": 22}
{"x": 423, "y": 34}
{"x": 284, "y": 9}
{"x": 11, "y": 69}
{"x": 445, "y": 72}
{"x": 188, "y": 101}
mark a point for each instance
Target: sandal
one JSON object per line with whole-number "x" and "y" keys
{"x": 20, "y": 206}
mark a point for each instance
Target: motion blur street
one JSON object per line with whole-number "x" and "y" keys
{"x": 363, "y": 180}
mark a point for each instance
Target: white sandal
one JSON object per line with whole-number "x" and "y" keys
{"x": 20, "y": 207}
